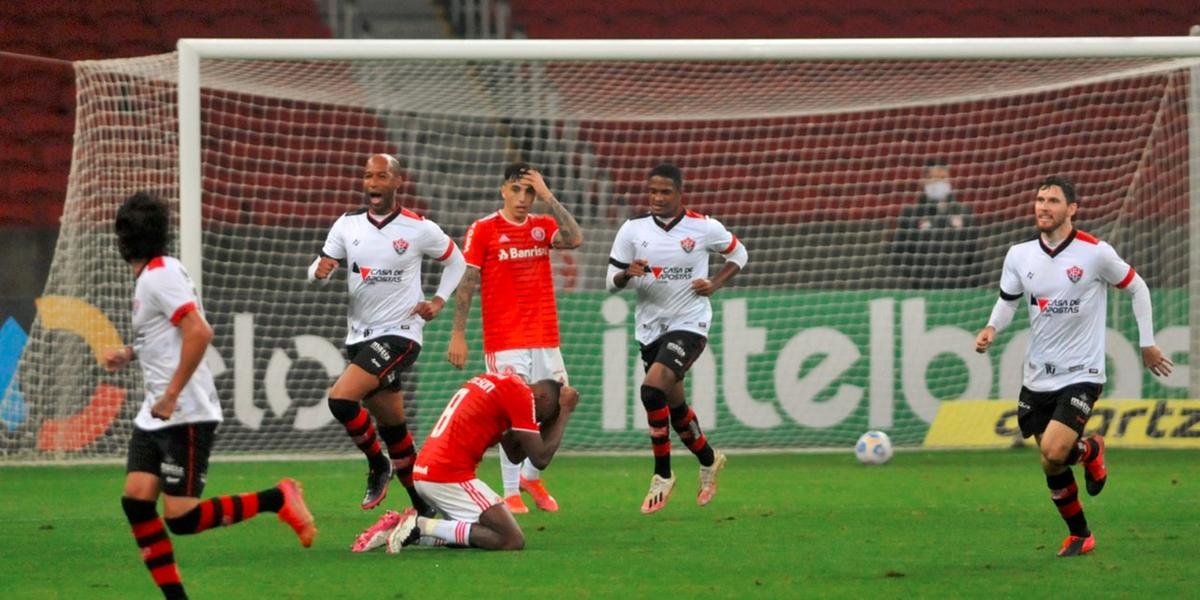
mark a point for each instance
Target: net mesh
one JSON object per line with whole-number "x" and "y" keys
{"x": 856, "y": 311}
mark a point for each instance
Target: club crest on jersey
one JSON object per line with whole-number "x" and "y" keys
{"x": 688, "y": 244}
{"x": 400, "y": 246}
{"x": 1075, "y": 274}
{"x": 538, "y": 233}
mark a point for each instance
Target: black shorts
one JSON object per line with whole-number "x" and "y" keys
{"x": 178, "y": 455}
{"x": 1070, "y": 406}
{"x": 675, "y": 349}
{"x": 385, "y": 357}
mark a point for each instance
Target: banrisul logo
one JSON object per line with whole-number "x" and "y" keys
{"x": 1075, "y": 274}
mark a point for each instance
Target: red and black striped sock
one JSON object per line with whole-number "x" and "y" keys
{"x": 403, "y": 452}
{"x": 1065, "y": 494}
{"x": 658, "y": 417}
{"x": 1084, "y": 450}
{"x": 157, "y": 551}
{"x": 226, "y": 510}
{"x": 683, "y": 419}
{"x": 361, "y": 428}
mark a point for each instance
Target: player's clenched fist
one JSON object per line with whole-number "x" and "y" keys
{"x": 429, "y": 309}
{"x": 568, "y": 398}
{"x": 637, "y": 268}
{"x": 325, "y": 266}
{"x": 984, "y": 339}
{"x": 115, "y": 359}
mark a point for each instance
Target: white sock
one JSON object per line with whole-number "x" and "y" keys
{"x": 510, "y": 474}
{"x": 529, "y": 471}
{"x": 445, "y": 530}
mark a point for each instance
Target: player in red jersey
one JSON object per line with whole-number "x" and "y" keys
{"x": 508, "y": 258}
{"x": 489, "y": 408}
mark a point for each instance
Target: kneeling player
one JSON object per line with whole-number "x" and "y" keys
{"x": 489, "y": 408}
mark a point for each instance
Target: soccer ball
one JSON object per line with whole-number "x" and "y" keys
{"x": 873, "y": 448}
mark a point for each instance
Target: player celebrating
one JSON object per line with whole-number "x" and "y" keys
{"x": 507, "y": 254}
{"x": 174, "y": 429}
{"x": 1065, "y": 273}
{"x": 382, "y": 245}
{"x": 489, "y": 408}
{"x": 657, "y": 252}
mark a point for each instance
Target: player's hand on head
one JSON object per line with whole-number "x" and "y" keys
{"x": 325, "y": 267}
{"x": 984, "y": 339}
{"x": 456, "y": 352}
{"x": 568, "y": 398}
{"x": 534, "y": 179}
{"x": 1158, "y": 363}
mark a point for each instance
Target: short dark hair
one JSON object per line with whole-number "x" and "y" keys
{"x": 516, "y": 170}
{"x": 143, "y": 227}
{"x": 669, "y": 171}
{"x": 1064, "y": 184}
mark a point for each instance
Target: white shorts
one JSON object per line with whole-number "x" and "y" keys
{"x": 459, "y": 501}
{"x": 532, "y": 364}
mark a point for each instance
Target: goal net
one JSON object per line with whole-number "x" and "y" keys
{"x": 858, "y": 307}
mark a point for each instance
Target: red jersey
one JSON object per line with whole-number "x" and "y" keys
{"x": 516, "y": 282}
{"x": 482, "y": 409}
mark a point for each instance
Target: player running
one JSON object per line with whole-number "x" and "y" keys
{"x": 1065, "y": 274}
{"x": 176, "y": 426}
{"x": 664, "y": 255}
{"x": 489, "y": 408}
{"x": 508, "y": 258}
{"x": 382, "y": 246}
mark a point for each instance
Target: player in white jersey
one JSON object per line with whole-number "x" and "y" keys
{"x": 664, "y": 256}
{"x": 382, "y": 246}
{"x": 1062, "y": 276}
{"x": 175, "y": 428}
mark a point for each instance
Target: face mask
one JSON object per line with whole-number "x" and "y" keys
{"x": 937, "y": 190}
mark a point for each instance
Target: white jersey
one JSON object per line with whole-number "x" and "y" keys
{"x": 163, "y": 295}
{"x": 1066, "y": 290}
{"x": 677, "y": 254}
{"x": 384, "y": 263}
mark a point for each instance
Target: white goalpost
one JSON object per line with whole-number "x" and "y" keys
{"x": 856, "y": 309}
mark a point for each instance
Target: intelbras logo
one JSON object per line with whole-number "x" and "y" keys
{"x": 515, "y": 253}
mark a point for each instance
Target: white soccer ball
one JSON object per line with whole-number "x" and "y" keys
{"x": 873, "y": 448}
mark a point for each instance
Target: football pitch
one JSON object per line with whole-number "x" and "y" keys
{"x": 929, "y": 524}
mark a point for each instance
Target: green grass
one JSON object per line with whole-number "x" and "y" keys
{"x": 970, "y": 524}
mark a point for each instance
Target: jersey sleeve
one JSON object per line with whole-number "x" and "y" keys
{"x": 1114, "y": 269}
{"x": 1011, "y": 286}
{"x": 475, "y": 244}
{"x": 547, "y": 223}
{"x": 171, "y": 293}
{"x": 622, "y": 253}
{"x": 438, "y": 245}
{"x": 720, "y": 240}
{"x": 518, "y": 405}
{"x": 335, "y": 246}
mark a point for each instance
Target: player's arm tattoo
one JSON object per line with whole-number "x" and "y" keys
{"x": 462, "y": 297}
{"x": 569, "y": 233}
